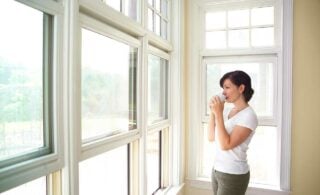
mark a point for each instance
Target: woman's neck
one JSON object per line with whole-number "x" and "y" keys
{"x": 240, "y": 104}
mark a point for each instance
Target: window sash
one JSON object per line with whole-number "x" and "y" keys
{"x": 49, "y": 158}
{"x": 47, "y": 102}
{"x": 229, "y": 6}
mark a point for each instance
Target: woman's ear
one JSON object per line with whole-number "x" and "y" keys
{"x": 241, "y": 88}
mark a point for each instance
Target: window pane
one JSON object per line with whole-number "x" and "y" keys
{"x": 215, "y": 20}
{"x": 262, "y": 16}
{"x": 158, "y": 5}
{"x": 157, "y": 89}
{"x": 262, "y": 37}
{"x": 21, "y": 79}
{"x": 238, "y": 38}
{"x": 164, "y": 8}
{"x": 164, "y": 25}
{"x": 105, "y": 174}
{"x": 150, "y": 2}
{"x": 157, "y": 25}
{"x": 262, "y": 77}
{"x": 115, "y": 4}
{"x": 238, "y": 18}
{"x": 153, "y": 162}
{"x": 208, "y": 153}
{"x": 262, "y": 156}
{"x": 35, "y": 187}
{"x": 131, "y": 9}
{"x": 108, "y": 85}
{"x": 150, "y": 20}
{"x": 216, "y": 40}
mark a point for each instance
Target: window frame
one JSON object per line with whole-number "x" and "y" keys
{"x": 43, "y": 165}
{"x": 283, "y": 50}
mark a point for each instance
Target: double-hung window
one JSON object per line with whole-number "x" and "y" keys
{"x": 157, "y": 143}
{"x": 109, "y": 67}
{"x": 244, "y": 36}
{"x": 30, "y": 93}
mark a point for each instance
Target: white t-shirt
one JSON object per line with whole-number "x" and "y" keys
{"x": 234, "y": 161}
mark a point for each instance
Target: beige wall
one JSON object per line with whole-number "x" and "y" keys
{"x": 305, "y": 177}
{"x": 305, "y": 174}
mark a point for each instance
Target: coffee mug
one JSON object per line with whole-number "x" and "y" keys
{"x": 221, "y": 97}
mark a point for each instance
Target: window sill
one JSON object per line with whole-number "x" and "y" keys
{"x": 204, "y": 183}
{"x": 172, "y": 190}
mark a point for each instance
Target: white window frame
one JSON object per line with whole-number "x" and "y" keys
{"x": 24, "y": 172}
{"x": 122, "y": 26}
{"x": 284, "y": 54}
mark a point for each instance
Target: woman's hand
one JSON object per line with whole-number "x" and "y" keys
{"x": 216, "y": 105}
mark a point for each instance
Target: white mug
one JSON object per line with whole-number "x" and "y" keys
{"x": 221, "y": 97}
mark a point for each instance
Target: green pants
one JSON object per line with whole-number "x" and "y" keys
{"x": 229, "y": 184}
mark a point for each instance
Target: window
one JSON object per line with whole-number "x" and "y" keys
{"x": 129, "y": 8}
{"x": 30, "y": 98}
{"x": 106, "y": 173}
{"x": 81, "y": 100}
{"x": 240, "y": 27}
{"x": 158, "y": 18}
{"x": 262, "y": 73}
{"x": 158, "y": 131}
{"x": 157, "y": 89}
{"x": 153, "y": 162}
{"x": 35, "y": 187}
{"x": 108, "y": 86}
{"x": 24, "y": 122}
{"x": 244, "y": 36}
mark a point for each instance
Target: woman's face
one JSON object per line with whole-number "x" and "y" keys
{"x": 232, "y": 91}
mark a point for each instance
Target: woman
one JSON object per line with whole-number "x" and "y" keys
{"x": 232, "y": 129}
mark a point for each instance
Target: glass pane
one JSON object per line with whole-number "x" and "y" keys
{"x": 215, "y": 20}
{"x": 153, "y": 162}
{"x": 115, "y": 4}
{"x": 150, "y": 20}
{"x": 105, "y": 174}
{"x": 157, "y": 25}
{"x": 150, "y": 2}
{"x": 238, "y": 38}
{"x": 131, "y": 9}
{"x": 238, "y": 18}
{"x": 164, "y": 25}
{"x": 157, "y": 89}
{"x": 158, "y": 5}
{"x": 262, "y": 156}
{"x": 262, "y": 37}
{"x": 35, "y": 187}
{"x": 216, "y": 40}
{"x": 164, "y": 8}
{"x": 262, "y": 16}
{"x": 208, "y": 153}
{"x": 262, "y": 79}
{"x": 21, "y": 79}
{"x": 108, "y": 85}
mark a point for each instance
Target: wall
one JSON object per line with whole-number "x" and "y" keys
{"x": 305, "y": 174}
